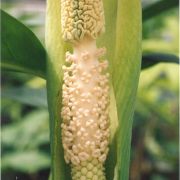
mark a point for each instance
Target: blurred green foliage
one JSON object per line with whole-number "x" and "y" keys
{"x": 25, "y": 129}
{"x": 156, "y": 126}
{"x": 161, "y": 34}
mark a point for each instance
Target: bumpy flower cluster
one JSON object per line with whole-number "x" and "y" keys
{"x": 80, "y": 18}
{"x": 85, "y": 127}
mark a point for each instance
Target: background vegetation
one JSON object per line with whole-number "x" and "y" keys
{"x": 25, "y": 129}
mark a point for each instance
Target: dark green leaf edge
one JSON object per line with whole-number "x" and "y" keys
{"x": 149, "y": 60}
{"x": 158, "y": 8}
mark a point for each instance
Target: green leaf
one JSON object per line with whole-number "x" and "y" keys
{"x": 108, "y": 40}
{"x": 56, "y": 49}
{"x": 21, "y": 140}
{"x": 26, "y": 161}
{"x": 158, "y": 8}
{"x": 21, "y": 50}
{"x": 149, "y": 60}
{"x": 20, "y": 136}
{"x": 125, "y": 75}
{"x": 112, "y": 155}
{"x": 30, "y": 96}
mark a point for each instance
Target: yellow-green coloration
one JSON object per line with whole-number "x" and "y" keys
{"x": 56, "y": 49}
{"x": 122, "y": 40}
{"x": 82, "y": 18}
{"x": 85, "y": 112}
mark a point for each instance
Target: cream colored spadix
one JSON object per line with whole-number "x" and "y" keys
{"x": 85, "y": 112}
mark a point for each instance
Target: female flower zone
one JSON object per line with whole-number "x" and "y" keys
{"x": 85, "y": 112}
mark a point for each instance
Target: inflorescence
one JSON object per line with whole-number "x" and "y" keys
{"x": 85, "y": 112}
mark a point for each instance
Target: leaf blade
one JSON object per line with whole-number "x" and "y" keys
{"x": 125, "y": 76}
{"x": 21, "y": 50}
{"x": 107, "y": 39}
